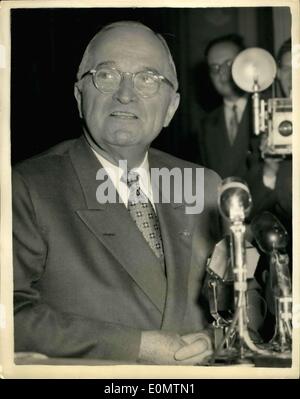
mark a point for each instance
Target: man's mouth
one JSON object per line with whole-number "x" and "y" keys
{"x": 123, "y": 115}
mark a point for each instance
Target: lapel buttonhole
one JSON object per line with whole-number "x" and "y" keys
{"x": 185, "y": 233}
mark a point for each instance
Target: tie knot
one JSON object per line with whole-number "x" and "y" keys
{"x": 131, "y": 178}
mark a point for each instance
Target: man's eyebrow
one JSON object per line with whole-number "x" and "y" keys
{"x": 147, "y": 68}
{"x": 106, "y": 63}
{"x": 143, "y": 67}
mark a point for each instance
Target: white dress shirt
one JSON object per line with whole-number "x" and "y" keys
{"x": 115, "y": 174}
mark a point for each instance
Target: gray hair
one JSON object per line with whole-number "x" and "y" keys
{"x": 86, "y": 59}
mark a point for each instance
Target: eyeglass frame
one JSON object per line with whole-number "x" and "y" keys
{"x": 154, "y": 73}
{"x": 227, "y": 63}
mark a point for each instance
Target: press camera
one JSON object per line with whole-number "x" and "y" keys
{"x": 254, "y": 70}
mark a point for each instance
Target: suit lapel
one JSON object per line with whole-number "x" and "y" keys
{"x": 225, "y": 158}
{"x": 113, "y": 226}
{"x": 176, "y": 229}
{"x": 176, "y": 234}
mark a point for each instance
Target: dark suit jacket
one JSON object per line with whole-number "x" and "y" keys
{"x": 242, "y": 159}
{"x": 217, "y": 153}
{"x": 86, "y": 282}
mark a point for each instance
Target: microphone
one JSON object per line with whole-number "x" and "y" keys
{"x": 219, "y": 263}
{"x": 269, "y": 233}
{"x": 272, "y": 238}
{"x": 234, "y": 199}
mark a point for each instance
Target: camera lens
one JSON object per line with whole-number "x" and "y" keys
{"x": 285, "y": 128}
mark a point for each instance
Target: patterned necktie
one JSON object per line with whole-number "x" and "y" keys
{"x": 233, "y": 124}
{"x": 142, "y": 212}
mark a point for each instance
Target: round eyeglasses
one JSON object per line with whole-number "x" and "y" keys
{"x": 215, "y": 69}
{"x": 108, "y": 79}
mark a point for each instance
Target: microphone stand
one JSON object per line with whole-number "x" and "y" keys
{"x": 238, "y": 256}
{"x": 246, "y": 348}
{"x": 281, "y": 286}
{"x": 272, "y": 239}
{"x": 234, "y": 203}
{"x": 220, "y": 324}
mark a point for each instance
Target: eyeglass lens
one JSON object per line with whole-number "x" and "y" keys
{"x": 108, "y": 80}
{"x": 218, "y": 68}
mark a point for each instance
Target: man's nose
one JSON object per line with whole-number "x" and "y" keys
{"x": 224, "y": 74}
{"x": 126, "y": 92}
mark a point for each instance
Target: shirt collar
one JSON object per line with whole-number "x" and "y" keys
{"x": 240, "y": 103}
{"x": 115, "y": 173}
{"x": 141, "y": 169}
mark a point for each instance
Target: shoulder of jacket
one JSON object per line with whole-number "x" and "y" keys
{"x": 45, "y": 161}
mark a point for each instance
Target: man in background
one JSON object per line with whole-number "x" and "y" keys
{"x": 226, "y": 142}
{"x": 271, "y": 187}
{"x": 271, "y": 179}
{"x": 283, "y": 183}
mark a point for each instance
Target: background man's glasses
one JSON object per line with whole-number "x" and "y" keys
{"x": 108, "y": 79}
{"x": 215, "y": 69}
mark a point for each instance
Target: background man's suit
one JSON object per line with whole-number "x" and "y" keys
{"x": 86, "y": 282}
{"x": 217, "y": 153}
{"x": 242, "y": 159}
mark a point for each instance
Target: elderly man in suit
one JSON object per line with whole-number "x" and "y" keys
{"x": 90, "y": 281}
{"x": 116, "y": 280}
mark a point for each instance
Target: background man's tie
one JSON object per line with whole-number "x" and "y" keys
{"x": 233, "y": 124}
{"x": 142, "y": 212}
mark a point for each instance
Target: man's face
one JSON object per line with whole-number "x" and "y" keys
{"x": 284, "y": 73}
{"x": 220, "y": 58}
{"x": 124, "y": 118}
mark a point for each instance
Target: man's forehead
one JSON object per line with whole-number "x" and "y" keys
{"x": 131, "y": 48}
{"x": 222, "y": 51}
{"x": 126, "y": 42}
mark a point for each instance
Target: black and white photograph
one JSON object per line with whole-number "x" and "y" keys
{"x": 148, "y": 189}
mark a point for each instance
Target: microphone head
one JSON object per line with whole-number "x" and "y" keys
{"x": 234, "y": 199}
{"x": 269, "y": 233}
{"x": 254, "y": 66}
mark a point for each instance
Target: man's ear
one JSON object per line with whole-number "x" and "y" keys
{"x": 172, "y": 108}
{"x": 78, "y": 96}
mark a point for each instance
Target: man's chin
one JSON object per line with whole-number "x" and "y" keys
{"x": 124, "y": 138}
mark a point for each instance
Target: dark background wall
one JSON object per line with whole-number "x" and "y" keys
{"x": 47, "y": 46}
